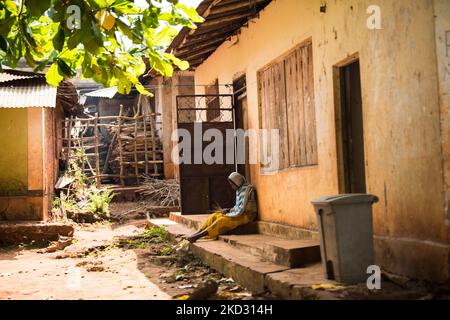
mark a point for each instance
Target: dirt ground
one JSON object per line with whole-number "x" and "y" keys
{"x": 108, "y": 261}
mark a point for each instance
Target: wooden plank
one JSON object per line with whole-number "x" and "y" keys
{"x": 279, "y": 113}
{"x": 119, "y": 123}
{"x": 152, "y": 130}
{"x": 97, "y": 156}
{"x": 292, "y": 110}
{"x": 108, "y": 155}
{"x": 136, "y": 169}
{"x": 301, "y": 133}
{"x": 69, "y": 138}
{"x": 309, "y": 106}
{"x": 146, "y": 146}
{"x": 262, "y": 113}
{"x": 268, "y": 110}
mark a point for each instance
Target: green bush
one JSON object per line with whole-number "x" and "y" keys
{"x": 100, "y": 199}
{"x": 156, "y": 234}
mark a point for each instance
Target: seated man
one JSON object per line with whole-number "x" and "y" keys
{"x": 244, "y": 211}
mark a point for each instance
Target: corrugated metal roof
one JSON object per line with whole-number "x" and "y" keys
{"x": 5, "y": 77}
{"x": 223, "y": 19}
{"x": 33, "y": 95}
{"x": 23, "y": 89}
{"x": 103, "y": 93}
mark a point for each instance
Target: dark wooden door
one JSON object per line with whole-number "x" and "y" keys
{"x": 352, "y": 130}
{"x": 204, "y": 186}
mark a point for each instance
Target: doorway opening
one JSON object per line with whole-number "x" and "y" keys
{"x": 350, "y": 129}
{"x": 241, "y": 122}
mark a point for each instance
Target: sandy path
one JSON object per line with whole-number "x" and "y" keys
{"x": 27, "y": 274}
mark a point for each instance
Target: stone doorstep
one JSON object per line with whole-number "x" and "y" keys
{"x": 17, "y": 232}
{"x": 250, "y": 271}
{"x": 257, "y": 227}
{"x": 289, "y": 253}
{"x": 299, "y": 251}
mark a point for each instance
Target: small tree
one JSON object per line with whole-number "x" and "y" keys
{"x": 107, "y": 40}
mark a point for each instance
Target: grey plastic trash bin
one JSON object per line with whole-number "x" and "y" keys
{"x": 346, "y": 236}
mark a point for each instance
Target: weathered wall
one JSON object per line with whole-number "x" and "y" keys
{"x": 182, "y": 83}
{"x": 442, "y": 13}
{"x": 13, "y": 161}
{"x": 52, "y": 151}
{"x": 401, "y": 119}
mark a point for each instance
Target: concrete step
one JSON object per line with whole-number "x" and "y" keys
{"x": 256, "y": 227}
{"x": 260, "y": 239}
{"x": 39, "y": 232}
{"x": 249, "y": 270}
{"x": 289, "y": 253}
{"x": 246, "y": 269}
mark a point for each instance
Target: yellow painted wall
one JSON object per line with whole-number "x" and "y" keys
{"x": 23, "y": 160}
{"x": 13, "y": 158}
{"x": 399, "y": 78}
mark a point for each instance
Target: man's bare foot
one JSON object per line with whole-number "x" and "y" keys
{"x": 191, "y": 239}
{"x": 195, "y": 236}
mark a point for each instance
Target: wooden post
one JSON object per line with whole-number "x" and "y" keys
{"x": 69, "y": 138}
{"x": 136, "y": 169}
{"x": 119, "y": 139}
{"x": 97, "y": 156}
{"x": 152, "y": 129}
{"x": 108, "y": 155}
{"x": 145, "y": 146}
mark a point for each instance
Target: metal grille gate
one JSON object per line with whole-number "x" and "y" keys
{"x": 203, "y": 186}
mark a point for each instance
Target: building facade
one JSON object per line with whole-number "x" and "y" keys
{"x": 360, "y": 94}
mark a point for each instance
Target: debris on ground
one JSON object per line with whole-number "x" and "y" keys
{"x": 144, "y": 209}
{"x": 61, "y": 244}
{"x": 327, "y": 286}
{"x": 165, "y": 192}
{"x": 204, "y": 291}
{"x": 177, "y": 271}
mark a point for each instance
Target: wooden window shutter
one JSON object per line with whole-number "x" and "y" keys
{"x": 301, "y": 107}
{"x": 286, "y": 102}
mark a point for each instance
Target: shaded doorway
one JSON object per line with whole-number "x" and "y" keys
{"x": 350, "y": 129}
{"x": 241, "y": 122}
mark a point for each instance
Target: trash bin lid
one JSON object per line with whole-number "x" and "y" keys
{"x": 346, "y": 199}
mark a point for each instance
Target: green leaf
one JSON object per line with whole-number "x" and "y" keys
{"x": 191, "y": 13}
{"x": 125, "y": 7}
{"x": 37, "y": 7}
{"x": 140, "y": 88}
{"x": 3, "y": 44}
{"x": 41, "y": 65}
{"x": 181, "y": 64}
{"x": 100, "y": 48}
{"x": 124, "y": 86}
{"x": 95, "y": 28}
{"x": 165, "y": 36}
{"x": 128, "y": 32}
{"x": 58, "y": 39}
{"x": 159, "y": 64}
{"x": 12, "y": 7}
{"x": 53, "y": 77}
{"x": 65, "y": 69}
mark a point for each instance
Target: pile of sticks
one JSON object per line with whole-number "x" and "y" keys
{"x": 165, "y": 192}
